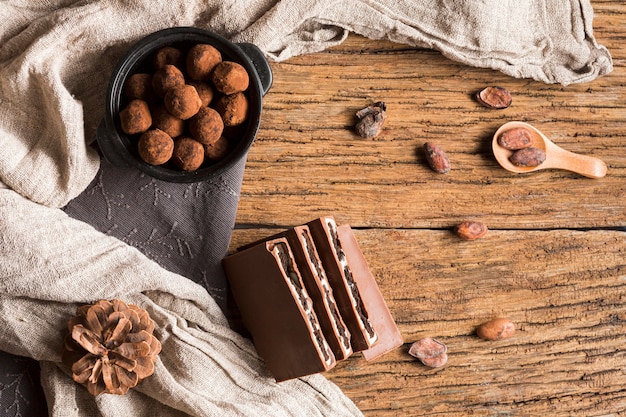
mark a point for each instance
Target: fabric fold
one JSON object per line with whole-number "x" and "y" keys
{"x": 205, "y": 368}
{"x": 545, "y": 41}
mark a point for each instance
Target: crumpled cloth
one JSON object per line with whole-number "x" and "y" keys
{"x": 204, "y": 369}
{"x": 55, "y": 61}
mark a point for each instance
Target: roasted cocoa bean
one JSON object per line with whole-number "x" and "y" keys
{"x": 515, "y": 139}
{"x": 430, "y": 352}
{"x": 528, "y": 157}
{"x": 371, "y": 120}
{"x": 437, "y": 158}
{"x": 496, "y": 329}
{"x": 494, "y": 97}
{"x": 470, "y": 230}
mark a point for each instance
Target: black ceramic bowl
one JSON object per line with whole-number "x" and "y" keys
{"x": 121, "y": 150}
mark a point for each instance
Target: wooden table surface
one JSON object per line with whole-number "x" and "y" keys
{"x": 554, "y": 260}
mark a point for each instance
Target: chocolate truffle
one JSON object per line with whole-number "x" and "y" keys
{"x": 233, "y": 109}
{"x": 188, "y": 154}
{"x": 182, "y": 101}
{"x": 165, "y": 78}
{"x": 164, "y": 121}
{"x": 201, "y": 59}
{"x": 155, "y": 147}
{"x": 168, "y": 55}
{"x": 230, "y": 77}
{"x": 218, "y": 150}
{"x": 206, "y": 126}
{"x": 205, "y": 91}
{"x": 135, "y": 117}
{"x": 139, "y": 86}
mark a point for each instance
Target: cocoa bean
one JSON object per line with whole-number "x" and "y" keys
{"x": 437, "y": 158}
{"x": 515, "y": 139}
{"x": 469, "y": 230}
{"x": 528, "y": 157}
{"x": 494, "y": 97}
{"x": 496, "y": 329}
{"x": 371, "y": 120}
{"x": 430, "y": 352}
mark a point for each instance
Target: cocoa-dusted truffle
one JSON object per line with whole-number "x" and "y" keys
{"x": 161, "y": 119}
{"x": 155, "y": 147}
{"x": 205, "y": 91}
{"x": 135, "y": 117}
{"x": 188, "y": 154}
{"x": 206, "y": 126}
{"x": 233, "y": 109}
{"x": 165, "y": 78}
{"x": 201, "y": 59}
{"x": 230, "y": 77}
{"x": 182, "y": 101}
{"x": 168, "y": 55}
{"x": 218, "y": 150}
{"x": 139, "y": 86}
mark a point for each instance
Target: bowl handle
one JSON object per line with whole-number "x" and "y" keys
{"x": 108, "y": 144}
{"x": 260, "y": 64}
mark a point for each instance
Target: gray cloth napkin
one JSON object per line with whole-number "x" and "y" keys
{"x": 55, "y": 61}
{"x": 185, "y": 228}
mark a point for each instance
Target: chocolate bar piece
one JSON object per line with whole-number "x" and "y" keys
{"x": 277, "y": 310}
{"x": 389, "y": 336}
{"x": 345, "y": 290}
{"x": 315, "y": 280}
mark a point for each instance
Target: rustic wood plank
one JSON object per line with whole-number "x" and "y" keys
{"x": 566, "y": 357}
{"x": 553, "y": 260}
{"x": 307, "y": 161}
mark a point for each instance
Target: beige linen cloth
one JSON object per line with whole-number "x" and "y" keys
{"x": 55, "y": 60}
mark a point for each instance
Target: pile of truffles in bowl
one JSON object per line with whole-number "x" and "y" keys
{"x": 184, "y": 105}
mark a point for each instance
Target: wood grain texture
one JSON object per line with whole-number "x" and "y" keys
{"x": 564, "y": 290}
{"x": 307, "y": 161}
{"x": 554, "y": 258}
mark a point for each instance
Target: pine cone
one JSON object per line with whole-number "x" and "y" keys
{"x": 110, "y": 346}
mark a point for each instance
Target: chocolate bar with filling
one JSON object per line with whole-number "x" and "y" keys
{"x": 389, "y": 336}
{"x": 345, "y": 290}
{"x": 316, "y": 282}
{"x": 276, "y": 309}
{"x": 319, "y": 288}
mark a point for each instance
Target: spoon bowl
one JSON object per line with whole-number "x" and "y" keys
{"x": 556, "y": 157}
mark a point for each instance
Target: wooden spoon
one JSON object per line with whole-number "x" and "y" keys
{"x": 556, "y": 157}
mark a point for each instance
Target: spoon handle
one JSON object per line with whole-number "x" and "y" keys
{"x": 588, "y": 166}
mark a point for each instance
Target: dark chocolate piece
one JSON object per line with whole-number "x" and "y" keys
{"x": 389, "y": 336}
{"x": 277, "y": 311}
{"x": 316, "y": 282}
{"x": 351, "y": 307}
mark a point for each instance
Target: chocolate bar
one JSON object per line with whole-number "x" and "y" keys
{"x": 345, "y": 290}
{"x": 277, "y": 310}
{"x": 389, "y": 336}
